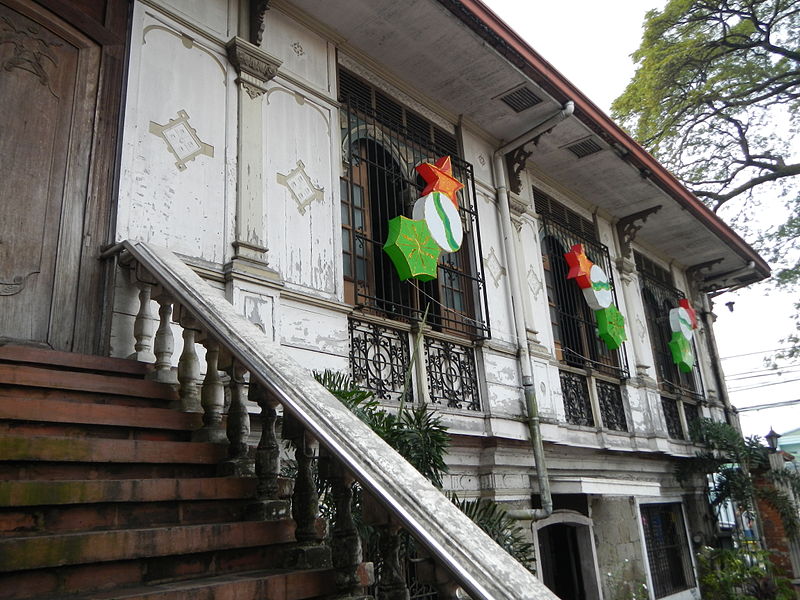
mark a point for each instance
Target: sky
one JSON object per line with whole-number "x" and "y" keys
{"x": 590, "y": 43}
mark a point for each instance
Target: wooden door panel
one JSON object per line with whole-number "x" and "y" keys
{"x": 50, "y": 79}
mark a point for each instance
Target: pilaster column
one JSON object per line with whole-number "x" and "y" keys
{"x": 642, "y": 355}
{"x": 254, "y": 68}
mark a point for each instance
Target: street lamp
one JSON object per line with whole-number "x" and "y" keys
{"x": 772, "y": 439}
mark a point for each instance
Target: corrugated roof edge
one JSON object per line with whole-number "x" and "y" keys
{"x": 480, "y": 18}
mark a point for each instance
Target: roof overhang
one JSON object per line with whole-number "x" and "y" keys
{"x": 477, "y": 60}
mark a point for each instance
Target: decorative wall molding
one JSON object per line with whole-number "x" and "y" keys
{"x": 301, "y": 187}
{"x": 534, "y": 283}
{"x": 254, "y": 67}
{"x": 187, "y": 42}
{"x": 181, "y": 140}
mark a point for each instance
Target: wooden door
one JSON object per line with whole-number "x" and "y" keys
{"x": 61, "y": 67}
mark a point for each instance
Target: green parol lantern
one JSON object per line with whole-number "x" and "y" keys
{"x": 412, "y": 249}
{"x": 611, "y": 327}
{"x": 681, "y": 350}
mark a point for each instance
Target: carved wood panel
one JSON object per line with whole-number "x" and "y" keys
{"x": 56, "y": 161}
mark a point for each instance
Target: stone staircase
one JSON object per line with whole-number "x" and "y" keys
{"x": 103, "y": 493}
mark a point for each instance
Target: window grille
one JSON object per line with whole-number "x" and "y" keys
{"x": 380, "y": 183}
{"x": 667, "y": 548}
{"x": 574, "y": 328}
{"x": 452, "y": 376}
{"x": 612, "y": 409}
{"x": 659, "y": 298}
{"x": 380, "y": 360}
{"x": 672, "y": 418}
{"x": 577, "y": 404}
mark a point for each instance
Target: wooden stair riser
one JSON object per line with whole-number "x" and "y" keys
{"x": 32, "y": 471}
{"x": 69, "y": 360}
{"x": 46, "y": 551}
{"x": 58, "y": 582}
{"x": 89, "y": 450}
{"x": 89, "y": 517}
{"x": 23, "y": 375}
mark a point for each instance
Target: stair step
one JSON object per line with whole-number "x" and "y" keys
{"x": 48, "y": 551}
{"x": 85, "y": 382}
{"x": 43, "y": 493}
{"x": 64, "y": 411}
{"x": 283, "y": 585}
{"x": 49, "y": 471}
{"x": 90, "y": 450}
{"x": 83, "y": 362}
{"x": 74, "y": 518}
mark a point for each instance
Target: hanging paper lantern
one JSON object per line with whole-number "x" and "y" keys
{"x": 439, "y": 177}
{"x": 611, "y": 327}
{"x": 442, "y": 218}
{"x": 580, "y": 266}
{"x": 680, "y": 321}
{"x": 681, "y": 351}
{"x": 412, "y": 249}
{"x": 598, "y": 295}
{"x": 684, "y": 303}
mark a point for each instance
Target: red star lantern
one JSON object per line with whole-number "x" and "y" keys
{"x": 684, "y": 303}
{"x": 439, "y": 177}
{"x": 580, "y": 266}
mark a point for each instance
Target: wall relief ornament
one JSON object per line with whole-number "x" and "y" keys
{"x": 30, "y": 51}
{"x": 181, "y": 140}
{"x": 495, "y": 268}
{"x": 300, "y": 186}
{"x": 16, "y": 285}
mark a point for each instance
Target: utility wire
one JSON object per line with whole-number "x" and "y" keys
{"x": 762, "y": 385}
{"x": 769, "y": 405}
{"x": 753, "y": 353}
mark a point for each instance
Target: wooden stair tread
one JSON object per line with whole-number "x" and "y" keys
{"x": 84, "y": 362}
{"x": 94, "y": 491}
{"x": 46, "y": 551}
{"x": 89, "y": 450}
{"x": 65, "y": 411}
{"x": 273, "y": 584}
{"x": 24, "y": 375}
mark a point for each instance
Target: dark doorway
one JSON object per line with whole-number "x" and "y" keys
{"x": 561, "y": 561}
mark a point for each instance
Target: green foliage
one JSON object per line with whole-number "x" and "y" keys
{"x": 492, "y": 518}
{"x": 732, "y": 459}
{"x": 415, "y": 432}
{"x": 740, "y": 574}
{"x": 712, "y": 77}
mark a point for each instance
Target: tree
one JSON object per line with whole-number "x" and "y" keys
{"x": 716, "y": 99}
{"x": 713, "y": 78}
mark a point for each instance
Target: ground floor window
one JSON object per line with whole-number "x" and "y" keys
{"x": 667, "y": 548}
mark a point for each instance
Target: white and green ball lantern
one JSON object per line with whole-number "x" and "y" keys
{"x": 599, "y": 294}
{"x": 441, "y": 215}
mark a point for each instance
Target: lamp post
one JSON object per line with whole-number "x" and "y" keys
{"x": 772, "y": 440}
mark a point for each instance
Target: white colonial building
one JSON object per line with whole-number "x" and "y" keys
{"x": 268, "y": 144}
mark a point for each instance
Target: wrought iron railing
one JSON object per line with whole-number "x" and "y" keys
{"x": 577, "y": 402}
{"x": 659, "y": 299}
{"x": 318, "y": 424}
{"x": 380, "y": 183}
{"x": 452, "y": 375}
{"x": 380, "y": 360}
{"x": 612, "y": 408}
{"x": 574, "y": 325}
{"x": 672, "y": 418}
